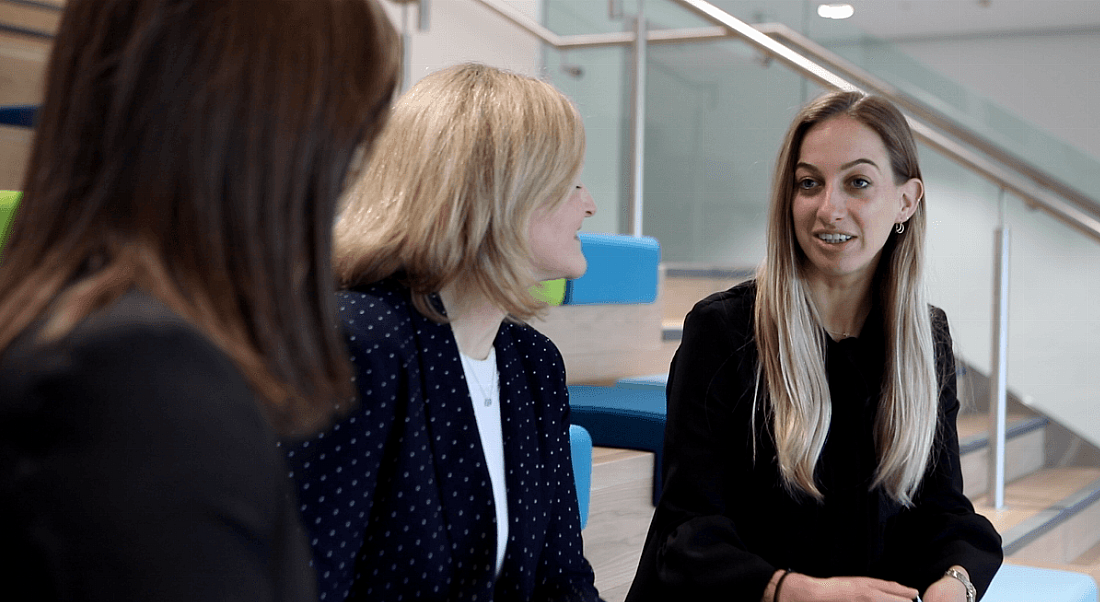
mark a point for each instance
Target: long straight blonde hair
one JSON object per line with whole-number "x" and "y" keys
{"x": 791, "y": 341}
{"x": 469, "y": 153}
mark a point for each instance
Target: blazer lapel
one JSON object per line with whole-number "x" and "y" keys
{"x": 465, "y": 492}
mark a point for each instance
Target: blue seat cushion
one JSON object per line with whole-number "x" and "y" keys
{"x": 621, "y": 270}
{"x": 1015, "y": 583}
{"x": 580, "y": 443}
{"x": 622, "y": 417}
{"x": 646, "y": 381}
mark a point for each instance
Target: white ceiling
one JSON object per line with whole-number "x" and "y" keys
{"x": 923, "y": 19}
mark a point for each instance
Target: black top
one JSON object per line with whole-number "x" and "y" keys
{"x": 397, "y": 497}
{"x": 135, "y": 464}
{"x": 726, "y": 523}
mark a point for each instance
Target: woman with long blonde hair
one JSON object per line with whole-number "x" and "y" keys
{"x": 811, "y": 448}
{"x": 453, "y": 479}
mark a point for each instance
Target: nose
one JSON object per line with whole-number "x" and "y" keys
{"x": 587, "y": 202}
{"x": 833, "y": 205}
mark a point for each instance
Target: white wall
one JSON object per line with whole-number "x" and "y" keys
{"x": 463, "y": 30}
{"x": 1051, "y": 80}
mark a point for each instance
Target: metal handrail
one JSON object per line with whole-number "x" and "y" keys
{"x": 1035, "y": 187}
{"x": 930, "y": 115}
{"x": 1083, "y": 216}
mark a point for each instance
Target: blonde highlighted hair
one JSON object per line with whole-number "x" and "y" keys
{"x": 791, "y": 341}
{"x": 469, "y": 153}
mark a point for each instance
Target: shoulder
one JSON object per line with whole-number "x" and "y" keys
{"x": 941, "y": 331}
{"x": 133, "y": 347}
{"x": 725, "y": 312}
{"x": 378, "y": 316}
{"x": 137, "y": 379}
{"x": 534, "y": 350}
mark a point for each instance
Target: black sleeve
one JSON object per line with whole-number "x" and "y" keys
{"x": 694, "y": 546}
{"x": 136, "y": 465}
{"x": 942, "y": 529}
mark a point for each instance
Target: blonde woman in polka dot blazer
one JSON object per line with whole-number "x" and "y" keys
{"x": 452, "y": 479}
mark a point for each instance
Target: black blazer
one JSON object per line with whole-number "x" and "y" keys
{"x": 135, "y": 464}
{"x": 397, "y": 496}
{"x": 726, "y": 523}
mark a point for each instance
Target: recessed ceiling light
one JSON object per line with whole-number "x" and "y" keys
{"x": 835, "y": 11}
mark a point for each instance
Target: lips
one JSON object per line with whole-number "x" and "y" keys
{"x": 834, "y": 238}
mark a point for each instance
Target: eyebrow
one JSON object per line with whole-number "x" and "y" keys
{"x": 847, "y": 165}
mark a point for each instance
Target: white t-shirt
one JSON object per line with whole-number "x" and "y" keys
{"x": 483, "y": 379}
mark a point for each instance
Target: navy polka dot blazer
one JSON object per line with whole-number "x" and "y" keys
{"x": 397, "y": 498}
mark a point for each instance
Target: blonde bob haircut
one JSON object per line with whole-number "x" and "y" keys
{"x": 469, "y": 154}
{"x": 791, "y": 341}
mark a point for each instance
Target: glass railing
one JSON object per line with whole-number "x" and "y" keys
{"x": 716, "y": 113}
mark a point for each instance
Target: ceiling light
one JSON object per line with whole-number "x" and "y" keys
{"x": 835, "y": 11}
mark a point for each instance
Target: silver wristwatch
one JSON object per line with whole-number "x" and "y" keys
{"x": 971, "y": 593}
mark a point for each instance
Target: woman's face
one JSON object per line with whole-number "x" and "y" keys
{"x": 846, "y": 201}
{"x": 555, "y": 248}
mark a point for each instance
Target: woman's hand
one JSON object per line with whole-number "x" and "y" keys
{"x": 947, "y": 589}
{"x": 803, "y": 588}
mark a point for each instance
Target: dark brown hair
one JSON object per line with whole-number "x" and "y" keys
{"x": 196, "y": 149}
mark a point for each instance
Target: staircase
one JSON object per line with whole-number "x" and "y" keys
{"x": 1052, "y": 514}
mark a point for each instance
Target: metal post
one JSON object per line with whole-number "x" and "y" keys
{"x": 638, "y": 119}
{"x": 406, "y": 49}
{"x": 998, "y": 392}
{"x": 424, "y": 11}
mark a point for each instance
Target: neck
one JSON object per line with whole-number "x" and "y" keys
{"x": 841, "y": 307}
{"x": 475, "y": 320}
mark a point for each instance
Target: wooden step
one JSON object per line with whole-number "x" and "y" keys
{"x": 1025, "y": 449}
{"x": 1052, "y": 515}
{"x": 619, "y": 512}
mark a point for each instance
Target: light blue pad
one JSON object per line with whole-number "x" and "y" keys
{"x": 580, "y": 444}
{"x": 1015, "y": 583}
{"x": 648, "y": 381}
{"x": 625, "y": 418}
{"x": 621, "y": 269}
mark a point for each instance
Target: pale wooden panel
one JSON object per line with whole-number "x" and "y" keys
{"x": 1068, "y": 540}
{"x": 1034, "y": 493}
{"x": 602, "y": 343}
{"x": 681, "y": 293}
{"x": 620, "y": 510}
{"x": 22, "y": 68}
{"x": 1024, "y": 454}
{"x": 29, "y": 17}
{"x": 15, "y": 148}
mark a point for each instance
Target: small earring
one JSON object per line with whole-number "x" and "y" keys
{"x": 899, "y": 227}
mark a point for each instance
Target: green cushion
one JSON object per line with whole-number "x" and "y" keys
{"x": 9, "y": 200}
{"x": 551, "y": 291}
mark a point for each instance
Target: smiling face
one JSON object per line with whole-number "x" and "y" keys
{"x": 555, "y": 248}
{"x": 846, "y": 200}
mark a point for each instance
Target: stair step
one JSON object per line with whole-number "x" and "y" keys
{"x": 620, "y": 509}
{"x": 1050, "y": 515}
{"x": 1025, "y": 449}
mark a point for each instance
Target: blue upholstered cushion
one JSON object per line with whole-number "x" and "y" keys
{"x": 18, "y": 115}
{"x": 621, "y": 269}
{"x": 648, "y": 381}
{"x": 622, "y": 417}
{"x": 1015, "y": 583}
{"x": 581, "y": 445}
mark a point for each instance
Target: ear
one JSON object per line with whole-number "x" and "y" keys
{"x": 912, "y": 192}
